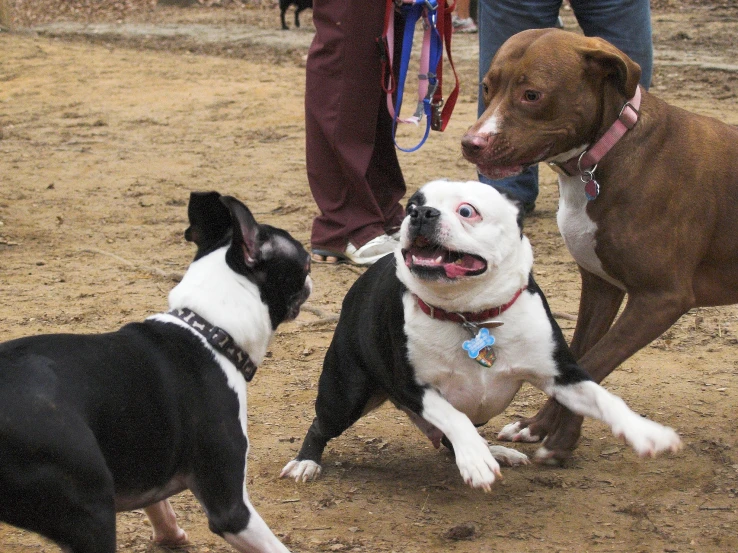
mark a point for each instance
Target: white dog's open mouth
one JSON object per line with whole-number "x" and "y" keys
{"x": 428, "y": 260}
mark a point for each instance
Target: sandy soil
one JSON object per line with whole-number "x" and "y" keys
{"x": 103, "y": 134}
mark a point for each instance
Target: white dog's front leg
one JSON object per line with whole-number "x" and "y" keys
{"x": 589, "y": 399}
{"x": 475, "y": 461}
{"x": 256, "y": 537}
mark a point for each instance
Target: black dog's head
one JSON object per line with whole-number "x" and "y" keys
{"x": 267, "y": 256}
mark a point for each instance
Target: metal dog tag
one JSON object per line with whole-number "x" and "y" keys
{"x": 591, "y": 189}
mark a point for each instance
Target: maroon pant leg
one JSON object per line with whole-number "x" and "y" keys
{"x": 352, "y": 165}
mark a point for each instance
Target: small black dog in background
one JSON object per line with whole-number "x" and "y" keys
{"x": 299, "y": 6}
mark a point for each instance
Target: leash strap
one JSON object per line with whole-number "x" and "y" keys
{"x": 438, "y": 29}
{"x": 219, "y": 339}
{"x": 446, "y": 30}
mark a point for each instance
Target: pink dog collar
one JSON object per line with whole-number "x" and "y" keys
{"x": 586, "y": 162}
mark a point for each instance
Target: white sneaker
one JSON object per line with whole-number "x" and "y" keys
{"x": 372, "y": 251}
{"x": 463, "y": 25}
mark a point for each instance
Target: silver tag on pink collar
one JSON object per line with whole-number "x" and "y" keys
{"x": 591, "y": 189}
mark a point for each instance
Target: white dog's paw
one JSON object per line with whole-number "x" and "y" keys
{"x": 301, "y": 471}
{"x": 513, "y": 433}
{"x": 649, "y": 438}
{"x": 477, "y": 465}
{"x": 509, "y": 457}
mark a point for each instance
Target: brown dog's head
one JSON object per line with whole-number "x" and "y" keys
{"x": 547, "y": 92}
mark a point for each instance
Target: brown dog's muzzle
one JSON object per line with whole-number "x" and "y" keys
{"x": 472, "y": 145}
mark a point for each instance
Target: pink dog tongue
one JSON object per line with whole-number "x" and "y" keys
{"x": 468, "y": 264}
{"x": 454, "y": 271}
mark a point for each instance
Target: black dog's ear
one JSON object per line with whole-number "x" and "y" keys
{"x": 245, "y": 230}
{"x": 210, "y": 220}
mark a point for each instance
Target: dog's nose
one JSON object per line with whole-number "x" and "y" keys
{"x": 472, "y": 144}
{"x": 423, "y": 214}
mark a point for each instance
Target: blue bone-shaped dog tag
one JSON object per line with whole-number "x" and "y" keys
{"x": 480, "y": 347}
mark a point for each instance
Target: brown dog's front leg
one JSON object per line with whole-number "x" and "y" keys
{"x": 598, "y": 307}
{"x": 645, "y": 318}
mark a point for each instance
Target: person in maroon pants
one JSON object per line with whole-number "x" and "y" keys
{"x": 352, "y": 165}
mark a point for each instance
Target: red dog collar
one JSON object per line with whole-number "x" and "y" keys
{"x": 478, "y": 317}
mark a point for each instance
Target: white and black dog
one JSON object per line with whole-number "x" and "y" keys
{"x": 448, "y": 329}
{"x": 94, "y": 424}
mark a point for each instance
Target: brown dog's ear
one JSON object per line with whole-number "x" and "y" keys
{"x": 613, "y": 63}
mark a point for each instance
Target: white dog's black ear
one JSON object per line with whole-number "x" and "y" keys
{"x": 210, "y": 221}
{"x": 244, "y": 244}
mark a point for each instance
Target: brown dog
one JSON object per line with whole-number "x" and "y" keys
{"x": 653, "y": 214}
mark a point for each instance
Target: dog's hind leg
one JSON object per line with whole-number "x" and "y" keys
{"x": 58, "y": 484}
{"x": 345, "y": 394}
{"x": 167, "y": 532}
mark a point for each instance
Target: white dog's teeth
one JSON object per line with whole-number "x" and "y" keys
{"x": 415, "y": 260}
{"x": 439, "y": 260}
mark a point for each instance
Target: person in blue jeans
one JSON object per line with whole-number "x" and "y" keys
{"x": 624, "y": 23}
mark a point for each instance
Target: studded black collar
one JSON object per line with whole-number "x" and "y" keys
{"x": 220, "y": 340}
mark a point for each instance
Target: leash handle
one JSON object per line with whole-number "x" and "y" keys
{"x": 437, "y": 15}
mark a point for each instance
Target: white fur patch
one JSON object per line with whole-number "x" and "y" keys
{"x": 492, "y": 124}
{"x": 475, "y": 461}
{"x": 508, "y": 456}
{"x": 301, "y": 471}
{"x": 256, "y": 537}
{"x": 577, "y": 229}
{"x": 513, "y": 433}
{"x": 495, "y": 236}
{"x": 226, "y": 299}
{"x": 645, "y": 436}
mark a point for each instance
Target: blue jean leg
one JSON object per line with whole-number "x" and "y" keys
{"x": 625, "y": 23}
{"x": 498, "y": 20}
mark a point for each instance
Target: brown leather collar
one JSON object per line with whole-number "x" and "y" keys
{"x": 220, "y": 340}
{"x": 467, "y": 317}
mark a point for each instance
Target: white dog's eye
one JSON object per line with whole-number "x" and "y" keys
{"x": 467, "y": 211}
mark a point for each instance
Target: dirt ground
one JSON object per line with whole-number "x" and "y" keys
{"x": 104, "y": 131}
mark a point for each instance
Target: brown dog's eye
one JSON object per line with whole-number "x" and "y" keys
{"x": 531, "y": 96}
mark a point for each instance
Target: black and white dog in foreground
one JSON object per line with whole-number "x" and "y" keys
{"x": 448, "y": 329}
{"x": 94, "y": 424}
